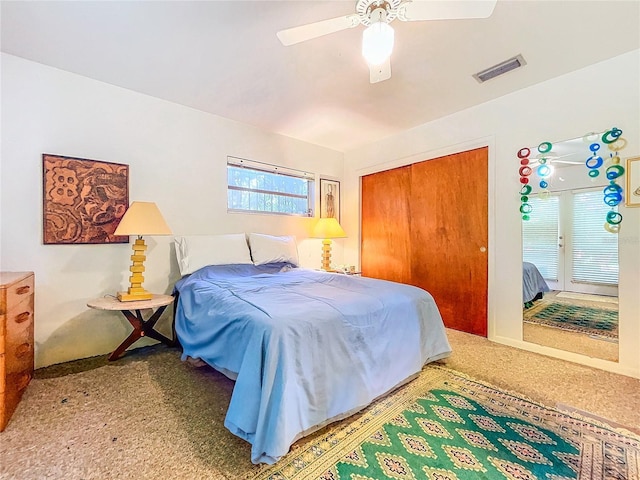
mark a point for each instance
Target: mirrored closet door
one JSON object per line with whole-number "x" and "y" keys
{"x": 570, "y": 260}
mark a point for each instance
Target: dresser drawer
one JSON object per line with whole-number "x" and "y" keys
{"x": 18, "y": 340}
{"x": 19, "y": 357}
{"x": 15, "y": 293}
{"x": 18, "y": 324}
{"x": 9, "y": 399}
{"x": 17, "y": 382}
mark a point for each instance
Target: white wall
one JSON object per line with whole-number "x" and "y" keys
{"x": 177, "y": 158}
{"x": 592, "y": 99}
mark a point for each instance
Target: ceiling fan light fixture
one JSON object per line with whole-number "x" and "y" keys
{"x": 378, "y": 38}
{"x": 377, "y": 43}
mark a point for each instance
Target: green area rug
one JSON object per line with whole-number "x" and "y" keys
{"x": 567, "y": 316}
{"x": 446, "y": 426}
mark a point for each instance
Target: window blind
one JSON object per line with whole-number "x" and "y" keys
{"x": 262, "y": 188}
{"x": 540, "y": 236}
{"x": 595, "y": 251}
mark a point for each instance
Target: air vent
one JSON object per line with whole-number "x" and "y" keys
{"x": 501, "y": 68}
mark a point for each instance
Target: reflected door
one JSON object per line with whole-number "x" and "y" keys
{"x": 542, "y": 242}
{"x": 565, "y": 238}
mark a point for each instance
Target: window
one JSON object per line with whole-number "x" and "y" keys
{"x": 262, "y": 188}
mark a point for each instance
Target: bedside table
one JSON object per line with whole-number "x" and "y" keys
{"x": 341, "y": 272}
{"x": 141, "y": 327}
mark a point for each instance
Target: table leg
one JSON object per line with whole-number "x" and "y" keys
{"x": 147, "y": 327}
{"x": 141, "y": 328}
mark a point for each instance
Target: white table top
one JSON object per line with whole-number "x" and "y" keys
{"x": 112, "y": 303}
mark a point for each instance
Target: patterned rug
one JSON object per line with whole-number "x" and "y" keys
{"x": 567, "y": 316}
{"x": 444, "y": 425}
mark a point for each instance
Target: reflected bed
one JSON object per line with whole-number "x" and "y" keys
{"x": 533, "y": 284}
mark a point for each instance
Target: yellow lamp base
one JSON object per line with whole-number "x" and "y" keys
{"x": 326, "y": 255}
{"x": 135, "y": 290}
{"x": 132, "y": 297}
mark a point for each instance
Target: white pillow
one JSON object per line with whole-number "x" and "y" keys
{"x": 270, "y": 249}
{"x": 196, "y": 251}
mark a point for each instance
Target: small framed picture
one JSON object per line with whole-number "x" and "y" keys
{"x": 329, "y": 199}
{"x": 632, "y": 193}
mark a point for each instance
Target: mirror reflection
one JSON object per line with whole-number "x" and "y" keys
{"x": 570, "y": 244}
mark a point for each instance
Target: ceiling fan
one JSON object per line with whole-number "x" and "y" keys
{"x": 376, "y": 15}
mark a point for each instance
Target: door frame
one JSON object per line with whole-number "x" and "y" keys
{"x": 566, "y": 218}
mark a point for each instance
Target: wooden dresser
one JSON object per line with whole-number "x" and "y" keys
{"x": 16, "y": 339}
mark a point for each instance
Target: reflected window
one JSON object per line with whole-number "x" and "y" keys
{"x": 540, "y": 236}
{"x": 595, "y": 251}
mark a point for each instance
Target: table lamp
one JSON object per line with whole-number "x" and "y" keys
{"x": 141, "y": 218}
{"x": 327, "y": 228}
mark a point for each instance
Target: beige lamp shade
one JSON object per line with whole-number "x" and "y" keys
{"x": 328, "y": 228}
{"x": 142, "y": 218}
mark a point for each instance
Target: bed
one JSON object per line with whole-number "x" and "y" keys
{"x": 304, "y": 347}
{"x": 533, "y": 283}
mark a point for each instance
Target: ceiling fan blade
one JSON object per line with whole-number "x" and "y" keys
{"x": 445, "y": 9}
{"x": 379, "y": 73}
{"x": 317, "y": 29}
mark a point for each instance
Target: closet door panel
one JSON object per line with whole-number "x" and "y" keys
{"x": 449, "y": 228}
{"x": 385, "y": 228}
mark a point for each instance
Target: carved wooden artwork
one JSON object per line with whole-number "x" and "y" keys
{"x": 83, "y": 200}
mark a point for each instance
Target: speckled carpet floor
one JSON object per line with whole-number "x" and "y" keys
{"x": 150, "y": 416}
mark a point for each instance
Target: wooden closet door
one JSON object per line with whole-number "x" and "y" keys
{"x": 385, "y": 250}
{"x": 449, "y": 236}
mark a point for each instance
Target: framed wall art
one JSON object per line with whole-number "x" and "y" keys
{"x": 330, "y": 199}
{"x": 632, "y": 193}
{"x": 83, "y": 200}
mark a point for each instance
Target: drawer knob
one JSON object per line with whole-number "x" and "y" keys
{"x": 23, "y": 350}
{"x": 23, "y": 290}
{"x": 23, "y": 317}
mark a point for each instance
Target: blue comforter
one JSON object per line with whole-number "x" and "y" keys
{"x": 303, "y": 346}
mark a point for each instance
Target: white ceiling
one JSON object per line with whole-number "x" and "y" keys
{"x": 223, "y": 57}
